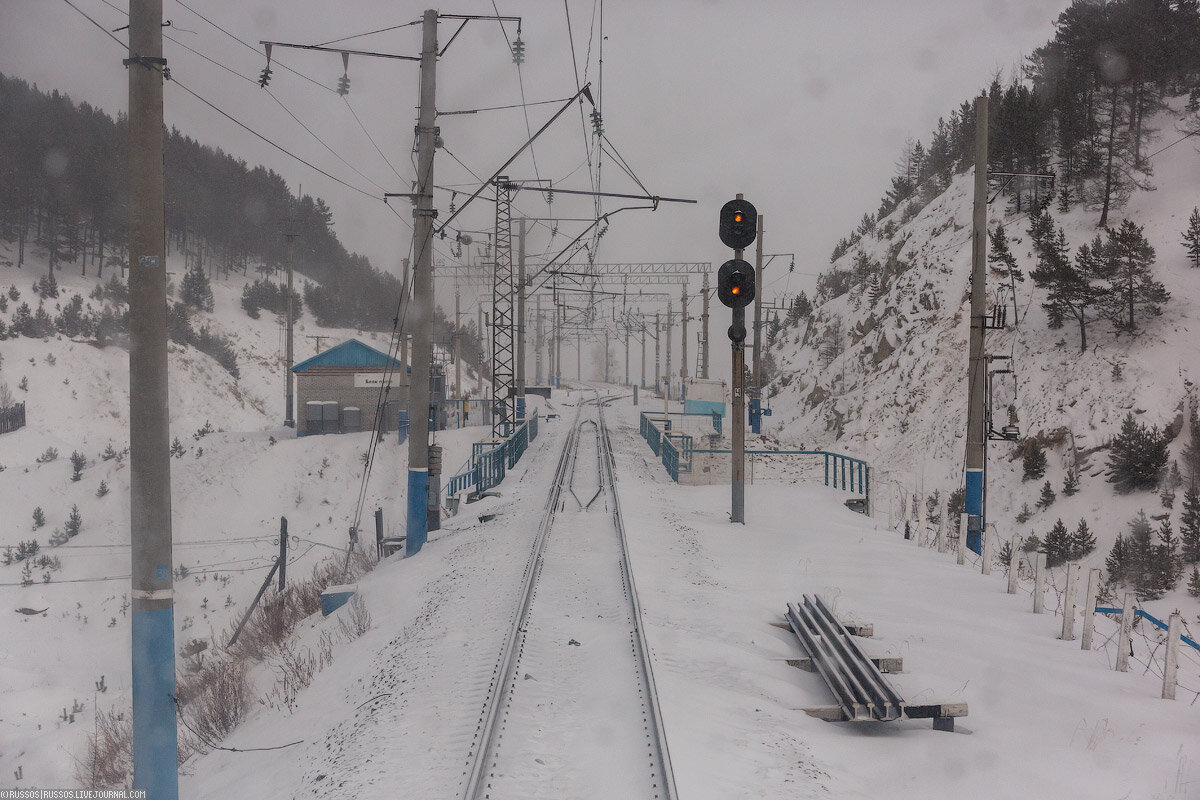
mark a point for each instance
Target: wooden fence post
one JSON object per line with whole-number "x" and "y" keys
{"x": 1171, "y": 667}
{"x": 1068, "y": 626}
{"x": 1126, "y": 634}
{"x": 985, "y": 554}
{"x": 1089, "y": 608}
{"x": 962, "y": 538}
{"x": 1014, "y": 562}
{"x": 1039, "y": 584}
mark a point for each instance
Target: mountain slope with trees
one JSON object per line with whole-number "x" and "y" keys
{"x": 1099, "y": 275}
{"x": 62, "y": 188}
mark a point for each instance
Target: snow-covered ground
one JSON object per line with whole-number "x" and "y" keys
{"x": 1045, "y": 718}
{"x": 229, "y": 489}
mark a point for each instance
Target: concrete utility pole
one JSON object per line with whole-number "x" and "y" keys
{"x": 579, "y": 357}
{"x": 520, "y": 376}
{"x": 670, "y": 321}
{"x": 539, "y": 342}
{"x": 418, "y": 389}
{"x": 643, "y": 352}
{"x": 155, "y": 733}
{"x": 657, "y": 351}
{"x": 606, "y": 375}
{"x": 756, "y": 378}
{"x": 627, "y": 334}
{"x": 405, "y": 304}
{"x": 483, "y": 348}
{"x": 457, "y": 345}
{"x": 977, "y": 362}
{"x": 683, "y": 371}
{"x": 560, "y": 313}
{"x": 704, "y": 332}
{"x": 289, "y": 419}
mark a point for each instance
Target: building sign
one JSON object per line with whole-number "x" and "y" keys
{"x": 373, "y": 380}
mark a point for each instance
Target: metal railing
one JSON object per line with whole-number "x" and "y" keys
{"x": 1158, "y": 623}
{"x": 491, "y": 459}
{"x": 840, "y": 471}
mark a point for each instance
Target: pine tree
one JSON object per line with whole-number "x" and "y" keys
{"x": 1071, "y": 482}
{"x": 1057, "y": 545}
{"x": 1117, "y": 562}
{"x": 1169, "y": 566}
{"x": 1137, "y": 457}
{"x": 1072, "y": 288}
{"x": 1189, "y": 526}
{"x": 1082, "y": 542}
{"x": 1024, "y": 514}
{"x": 1034, "y": 461}
{"x": 1048, "y": 496}
{"x": 102, "y": 490}
{"x": 1127, "y": 258}
{"x": 1003, "y": 262}
{"x": 1142, "y": 558}
{"x": 1191, "y": 238}
{"x": 74, "y": 523}
{"x": 1193, "y": 586}
{"x": 197, "y": 291}
{"x": 39, "y": 518}
{"x": 78, "y": 462}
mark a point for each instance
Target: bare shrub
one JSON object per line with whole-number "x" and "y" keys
{"x": 108, "y": 762}
{"x": 354, "y": 619}
{"x": 215, "y": 700}
{"x": 295, "y": 670}
{"x": 270, "y": 625}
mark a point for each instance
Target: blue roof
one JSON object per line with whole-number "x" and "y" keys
{"x": 350, "y": 353}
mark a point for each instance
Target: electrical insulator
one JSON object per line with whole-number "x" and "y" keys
{"x": 265, "y": 78}
{"x": 343, "y": 85}
{"x": 597, "y": 124}
{"x": 518, "y": 50}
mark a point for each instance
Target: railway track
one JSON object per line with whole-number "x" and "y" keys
{"x": 572, "y": 710}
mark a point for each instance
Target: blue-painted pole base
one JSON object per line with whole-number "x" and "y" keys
{"x": 155, "y": 735}
{"x": 973, "y": 505}
{"x": 755, "y": 415}
{"x": 417, "y": 529}
{"x": 520, "y": 408}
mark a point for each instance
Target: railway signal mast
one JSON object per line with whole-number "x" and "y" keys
{"x": 735, "y": 288}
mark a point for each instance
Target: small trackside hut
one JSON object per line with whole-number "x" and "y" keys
{"x": 337, "y": 391}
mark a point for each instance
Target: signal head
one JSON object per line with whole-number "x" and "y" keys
{"x": 735, "y": 283}
{"x": 738, "y": 224}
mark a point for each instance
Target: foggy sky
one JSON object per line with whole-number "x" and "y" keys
{"x": 802, "y": 106}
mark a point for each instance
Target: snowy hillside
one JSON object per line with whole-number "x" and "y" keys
{"x": 229, "y": 488}
{"x": 882, "y": 374}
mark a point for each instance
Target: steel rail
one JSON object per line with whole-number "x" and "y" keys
{"x": 643, "y": 648}
{"x": 506, "y": 664}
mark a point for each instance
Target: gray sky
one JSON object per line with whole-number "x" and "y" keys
{"x": 803, "y": 106}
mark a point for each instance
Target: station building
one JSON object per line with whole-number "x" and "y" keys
{"x": 337, "y": 391}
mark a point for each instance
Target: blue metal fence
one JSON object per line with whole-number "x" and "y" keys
{"x": 491, "y": 459}
{"x": 841, "y": 471}
{"x": 1154, "y": 620}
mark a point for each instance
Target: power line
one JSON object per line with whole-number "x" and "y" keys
{"x": 230, "y": 117}
{"x": 254, "y": 49}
